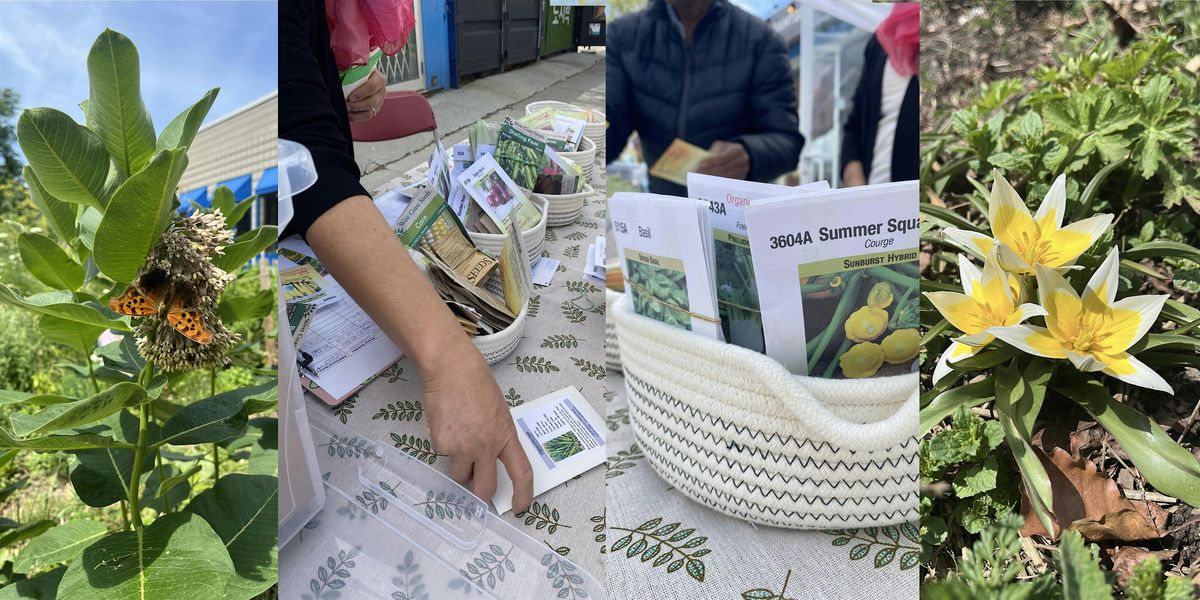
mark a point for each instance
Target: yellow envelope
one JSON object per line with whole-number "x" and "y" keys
{"x": 680, "y": 159}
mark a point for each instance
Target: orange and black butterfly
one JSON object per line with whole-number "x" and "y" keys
{"x": 146, "y": 300}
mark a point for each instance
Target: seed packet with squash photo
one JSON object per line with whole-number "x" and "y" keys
{"x": 665, "y": 251}
{"x": 737, "y": 294}
{"x": 837, "y": 279}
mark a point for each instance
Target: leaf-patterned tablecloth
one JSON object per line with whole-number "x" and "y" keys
{"x": 563, "y": 346}
{"x": 662, "y": 545}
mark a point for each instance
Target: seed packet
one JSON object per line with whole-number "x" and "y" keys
{"x": 679, "y": 159}
{"x": 666, "y": 256}
{"x": 520, "y": 150}
{"x": 837, "y": 278}
{"x": 570, "y": 126}
{"x": 482, "y": 137}
{"x": 737, "y": 294}
{"x": 498, "y": 195}
{"x": 559, "y": 175}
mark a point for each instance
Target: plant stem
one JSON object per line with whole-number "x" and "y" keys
{"x": 161, "y": 478}
{"x": 124, "y": 516}
{"x": 87, "y": 359}
{"x": 838, "y": 320}
{"x": 139, "y": 453}
{"x": 216, "y": 457}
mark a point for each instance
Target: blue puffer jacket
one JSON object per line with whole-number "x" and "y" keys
{"x": 733, "y": 83}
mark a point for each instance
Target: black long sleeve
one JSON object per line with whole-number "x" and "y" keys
{"x": 774, "y": 143}
{"x": 312, "y": 111}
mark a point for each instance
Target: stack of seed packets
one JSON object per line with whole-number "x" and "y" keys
{"x": 737, "y": 293}
{"x": 665, "y": 251}
{"x": 594, "y": 267}
{"x": 837, "y": 278}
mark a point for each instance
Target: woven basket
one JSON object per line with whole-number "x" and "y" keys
{"x": 497, "y": 346}
{"x": 585, "y": 157}
{"x": 534, "y": 238}
{"x": 565, "y": 208}
{"x": 734, "y": 430}
{"x": 612, "y": 351}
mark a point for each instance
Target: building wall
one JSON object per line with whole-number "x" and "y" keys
{"x": 239, "y": 143}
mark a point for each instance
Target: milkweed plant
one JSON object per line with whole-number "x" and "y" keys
{"x": 1040, "y": 318}
{"x": 137, "y": 293}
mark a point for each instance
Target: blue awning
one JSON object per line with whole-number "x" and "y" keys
{"x": 269, "y": 182}
{"x": 240, "y": 186}
{"x": 197, "y": 197}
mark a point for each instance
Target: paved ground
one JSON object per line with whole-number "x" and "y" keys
{"x": 577, "y": 78}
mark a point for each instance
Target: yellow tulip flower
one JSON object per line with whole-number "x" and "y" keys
{"x": 866, "y": 323}
{"x": 1027, "y": 241}
{"x": 991, "y": 300}
{"x": 900, "y": 346}
{"x": 1093, "y": 332}
{"x": 861, "y": 360}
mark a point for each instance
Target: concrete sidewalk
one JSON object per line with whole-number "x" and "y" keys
{"x": 577, "y": 78}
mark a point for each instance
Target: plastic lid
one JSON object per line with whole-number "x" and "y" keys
{"x": 296, "y": 169}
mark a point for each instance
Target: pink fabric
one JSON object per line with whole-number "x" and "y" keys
{"x": 900, "y": 36}
{"x": 358, "y": 26}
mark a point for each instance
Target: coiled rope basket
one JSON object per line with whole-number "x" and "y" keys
{"x": 736, "y": 431}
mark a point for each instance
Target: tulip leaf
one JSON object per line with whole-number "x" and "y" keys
{"x": 944, "y": 405}
{"x": 48, "y": 262}
{"x": 1014, "y": 398}
{"x": 245, "y": 247}
{"x": 69, "y": 159}
{"x": 1084, "y": 208}
{"x": 115, "y": 109}
{"x": 137, "y": 215}
{"x": 180, "y": 132}
{"x": 1165, "y": 464}
{"x": 947, "y": 217}
{"x": 241, "y": 509}
{"x": 62, "y": 305}
{"x": 177, "y": 556}
{"x": 58, "y": 545}
{"x": 60, "y": 215}
{"x": 1161, "y": 249}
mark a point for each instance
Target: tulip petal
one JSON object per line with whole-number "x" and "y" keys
{"x": 994, "y": 288}
{"x": 1029, "y": 338}
{"x": 1008, "y": 215}
{"x": 1061, "y": 303}
{"x": 1025, "y": 311}
{"x": 1066, "y": 244}
{"x": 1129, "y": 369}
{"x": 1085, "y": 362}
{"x": 961, "y": 310}
{"x": 1011, "y": 261}
{"x": 1129, "y": 319}
{"x": 954, "y": 353}
{"x": 1049, "y": 215}
{"x": 1101, "y": 289}
{"x": 971, "y": 241}
{"x": 976, "y": 340}
{"x": 969, "y": 274}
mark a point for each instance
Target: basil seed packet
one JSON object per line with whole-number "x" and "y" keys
{"x": 837, "y": 278}
{"x": 737, "y": 293}
{"x": 666, "y": 257}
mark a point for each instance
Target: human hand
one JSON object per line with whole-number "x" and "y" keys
{"x": 726, "y": 159}
{"x": 364, "y": 102}
{"x": 852, "y": 175}
{"x": 470, "y": 423}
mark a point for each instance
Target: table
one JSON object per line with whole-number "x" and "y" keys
{"x": 563, "y": 345}
{"x": 723, "y": 557}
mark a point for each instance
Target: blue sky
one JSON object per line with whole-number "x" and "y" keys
{"x": 186, "y": 48}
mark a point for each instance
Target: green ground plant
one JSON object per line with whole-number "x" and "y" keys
{"x": 180, "y": 479}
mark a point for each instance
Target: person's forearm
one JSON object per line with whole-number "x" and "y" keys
{"x": 355, "y": 244}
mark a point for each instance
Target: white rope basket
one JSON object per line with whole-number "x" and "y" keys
{"x": 736, "y": 431}
{"x": 533, "y": 238}
{"x": 585, "y": 157}
{"x": 595, "y": 131}
{"x": 565, "y": 208}
{"x": 612, "y": 351}
{"x": 497, "y": 346}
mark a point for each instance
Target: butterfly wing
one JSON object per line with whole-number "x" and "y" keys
{"x": 188, "y": 322}
{"x": 134, "y": 302}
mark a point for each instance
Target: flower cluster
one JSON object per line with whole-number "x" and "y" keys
{"x": 1093, "y": 331}
{"x": 181, "y": 264}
